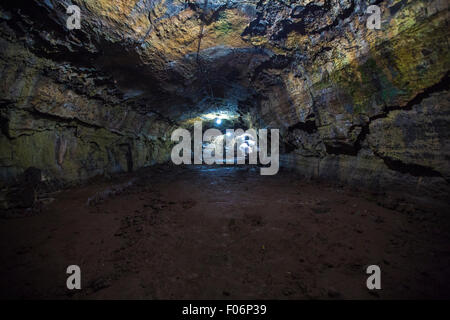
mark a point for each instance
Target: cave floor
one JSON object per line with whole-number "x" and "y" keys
{"x": 222, "y": 233}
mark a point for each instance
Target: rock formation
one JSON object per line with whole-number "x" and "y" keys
{"x": 355, "y": 105}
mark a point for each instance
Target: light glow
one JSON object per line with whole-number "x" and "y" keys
{"x": 224, "y": 115}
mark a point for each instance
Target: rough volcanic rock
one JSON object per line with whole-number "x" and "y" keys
{"x": 417, "y": 140}
{"x": 367, "y": 91}
{"x": 362, "y": 106}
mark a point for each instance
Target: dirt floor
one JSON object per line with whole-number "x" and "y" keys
{"x": 222, "y": 233}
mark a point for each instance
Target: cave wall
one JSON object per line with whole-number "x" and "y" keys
{"x": 364, "y": 107}
{"x": 69, "y": 122}
{"x": 369, "y": 108}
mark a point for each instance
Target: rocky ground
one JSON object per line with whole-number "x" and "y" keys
{"x": 221, "y": 233}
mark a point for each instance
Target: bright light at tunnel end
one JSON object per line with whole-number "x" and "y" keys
{"x": 209, "y": 147}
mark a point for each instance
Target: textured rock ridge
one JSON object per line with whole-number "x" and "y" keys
{"x": 367, "y": 107}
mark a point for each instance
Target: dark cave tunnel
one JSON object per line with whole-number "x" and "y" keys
{"x": 354, "y": 121}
